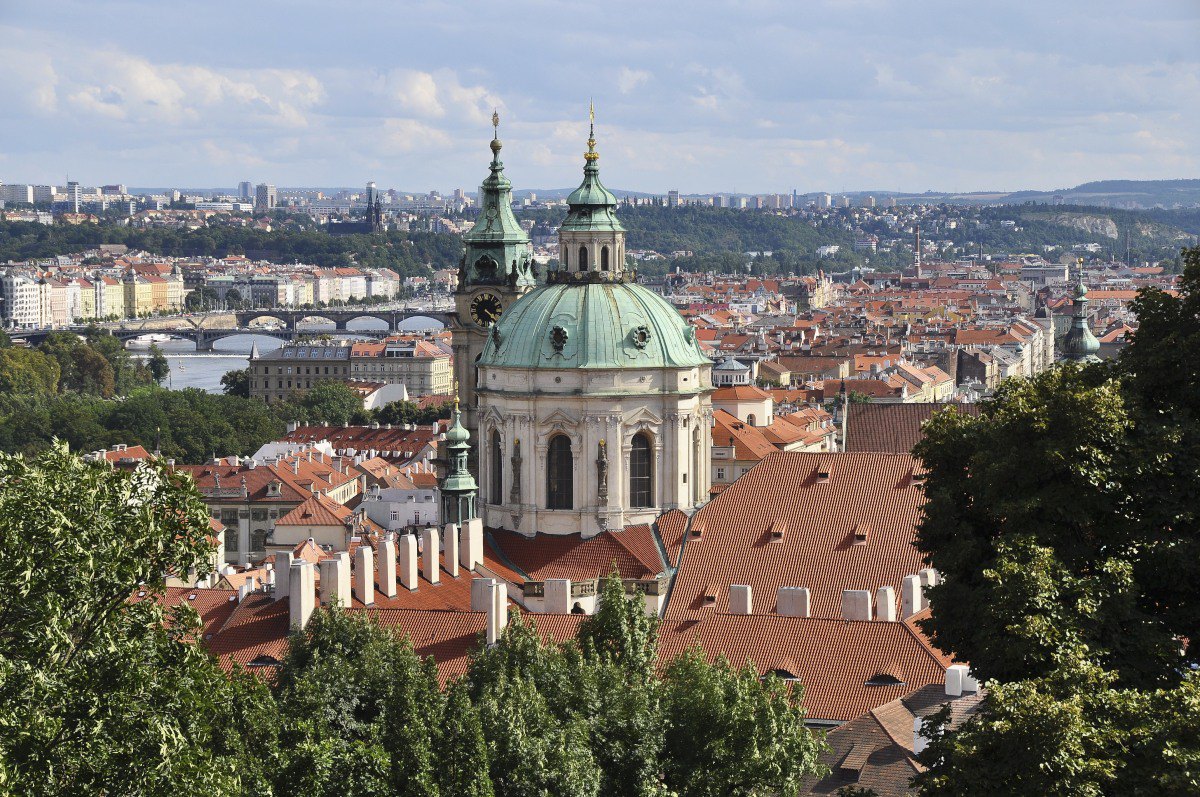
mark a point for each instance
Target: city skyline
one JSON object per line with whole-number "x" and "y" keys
{"x": 866, "y": 96}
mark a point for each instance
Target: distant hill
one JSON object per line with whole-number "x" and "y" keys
{"x": 1128, "y": 194}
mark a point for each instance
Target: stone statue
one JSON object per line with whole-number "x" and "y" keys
{"x": 514, "y": 494}
{"x": 602, "y": 468}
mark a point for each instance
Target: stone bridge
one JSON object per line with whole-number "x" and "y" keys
{"x": 340, "y": 318}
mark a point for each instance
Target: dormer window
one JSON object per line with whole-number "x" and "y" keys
{"x": 861, "y": 532}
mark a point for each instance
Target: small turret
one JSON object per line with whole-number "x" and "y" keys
{"x": 459, "y": 487}
{"x": 1080, "y": 344}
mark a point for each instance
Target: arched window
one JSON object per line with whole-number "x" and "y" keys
{"x": 750, "y": 420}
{"x": 560, "y": 473}
{"x": 604, "y": 258}
{"x": 497, "y": 469}
{"x": 583, "y": 258}
{"x": 641, "y": 473}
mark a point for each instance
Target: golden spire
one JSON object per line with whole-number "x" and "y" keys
{"x": 591, "y": 154}
{"x": 496, "y": 145}
{"x": 496, "y": 121}
{"x": 455, "y": 395}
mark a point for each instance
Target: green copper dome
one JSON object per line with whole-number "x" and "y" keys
{"x": 593, "y": 324}
{"x": 1080, "y": 344}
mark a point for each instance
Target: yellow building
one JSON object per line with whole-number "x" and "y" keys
{"x": 139, "y": 296}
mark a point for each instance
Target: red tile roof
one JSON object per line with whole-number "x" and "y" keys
{"x": 570, "y": 556}
{"x": 833, "y": 659}
{"x": 818, "y": 518}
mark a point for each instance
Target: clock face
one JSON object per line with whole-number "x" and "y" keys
{"x": 486, "y": 309}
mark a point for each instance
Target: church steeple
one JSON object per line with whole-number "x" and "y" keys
{"x": 1080, "y": 344}
{"x": 496, "y": 248}
{"x": 591, "y": 238}
{"x": 458, "y": 488}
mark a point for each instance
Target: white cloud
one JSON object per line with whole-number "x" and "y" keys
{"x": 629, "y": 79}
{"x": 412, "y": 135}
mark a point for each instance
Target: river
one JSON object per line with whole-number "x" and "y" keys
{"x": 204, "y": 370}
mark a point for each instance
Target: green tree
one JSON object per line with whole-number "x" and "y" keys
{"x": 158, "y": 365}
{"x": 330, "y": 402}
{"x": 462, "y": 761}
{"x": 730, "y": 732}
{"x": 28, "y": 372}
{"x": 202, "y": 298}
{"x": 236, "y": 383}
{"x": 100, "y": 695}
{"x": 233, "y": 298}
{"x": 358, "y": 711}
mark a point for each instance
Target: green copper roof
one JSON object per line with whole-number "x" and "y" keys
{"x": 592, "y": 206}
{"x": 1080, "y": 343}
{"x": 592, "y": 325}
{"x": 458, "y": 478}
{"x": 496, "y": 249}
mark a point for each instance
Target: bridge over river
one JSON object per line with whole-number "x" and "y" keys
{"x": 204, "y": 335}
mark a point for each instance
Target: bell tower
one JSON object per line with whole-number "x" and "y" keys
{"x": 496, "y": 268}
{"x": 591, "y": 240}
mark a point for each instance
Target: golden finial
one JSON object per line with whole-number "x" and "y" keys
{"x": 496, "y": 121}
{"x": 591, "y": 154}
{"x": 456, "y": 395}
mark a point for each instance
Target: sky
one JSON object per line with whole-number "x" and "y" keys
{"x": 752, "y": 96}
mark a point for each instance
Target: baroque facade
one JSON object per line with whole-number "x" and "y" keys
{"x": 592, "y": 394}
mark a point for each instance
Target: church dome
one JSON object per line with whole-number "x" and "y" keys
{"x": 592, "y": 325}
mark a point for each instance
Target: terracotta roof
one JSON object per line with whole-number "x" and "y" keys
{"x": 749, "y": 442}
{"x": 213, "y": 605}
{"x": 875, "y": 751}
{"x": 317, "y": 511}
{"x": 893, "y": 428}
{"x": 672, "y": 526}
{"x": 570, "y": 556}
{"x": 817, "y": 518}
{"x": 833, "y": 659}
{"x": 741, "y": 393}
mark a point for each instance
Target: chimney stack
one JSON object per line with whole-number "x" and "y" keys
{"x": 429, "y": 541}
{"x": 387, "y": 566}
{"x": 885, "y": 604}
{"x": 364, "y": 575}
{"x": 335, "y": 580}
{"x": 793, "y": 602}
{"x": 471, "y": 548}
{"x": 856, "y": 604}
{"x": 408, "y": 561}
{"x": 283, "y": 571}
{"x": 929, "y": 578}
{"x": 450, "y": 549}
{"x": 481, "y": 598}
{"x": 301, "y": 597}
{"x": 741, "y": 600}
{"x": 911, "y": 596}
{"x": 920, "y": 741}
{"x": 959, "y": 680}
{"x": 557, "y": 598}
{"x": 497, "y": 619}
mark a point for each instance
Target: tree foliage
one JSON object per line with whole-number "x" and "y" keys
{"x": 99, "y": 695}
{"x": 1063, "y": 521}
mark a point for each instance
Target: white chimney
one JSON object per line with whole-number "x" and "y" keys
{"x": 387, "y": 567}
{"x": 301, "y": 593}
{"x": 920, "y": 742}
{"x": 283, "y": 566}
{"x": 929, "y": 578}
{"x": 558, "y": 595}
{"x": 335, "y": 580}
{"x": 910, "y": 596}
{"x": 793, "y": 602}
{"x": 955, "y": 676}
{"x": 407, "y": 553}
{"x": 364, "y": 575}
{"x": 741, "y": 600}
{"x": 481, "y": 598}
{"x": 885, "y": 604}
{"x": 450, "y": 549}
{"x": 856, "y": 604}
{"x": 245, "y": 589}
{"x": 497, "y": 617}
{"x": 429, "y": 542}
{"x": 471, "y": 543}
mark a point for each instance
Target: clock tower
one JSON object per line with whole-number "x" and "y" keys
{"x": 496, "y": 268}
